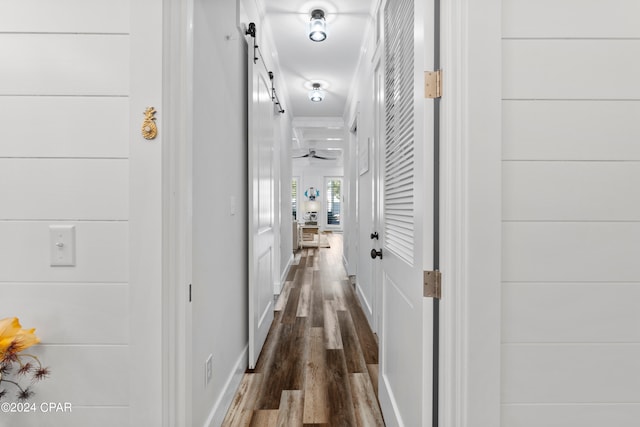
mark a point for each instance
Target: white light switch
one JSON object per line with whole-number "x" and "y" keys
{"x": 62, "y": 240}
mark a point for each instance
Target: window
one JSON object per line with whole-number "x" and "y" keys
{"x": 294, "y": 198}
{"x": 334, "y": 201}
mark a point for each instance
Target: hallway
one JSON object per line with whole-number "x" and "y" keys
{"x": 319, "y": 365}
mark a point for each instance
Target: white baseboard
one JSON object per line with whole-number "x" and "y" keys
{"x": 277, "y": 287}
{"x": 388, "y": 405}
{"x": 219, "y": 410}
{"x": 364, "y": 302}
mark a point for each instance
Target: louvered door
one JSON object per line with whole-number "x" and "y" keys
{"x": 406, "y": 217}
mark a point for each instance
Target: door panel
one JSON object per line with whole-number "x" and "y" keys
{"x": 261, "y": 208}
{"x": 406, "y": 218}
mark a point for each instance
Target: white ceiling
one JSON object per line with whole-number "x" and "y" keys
{"x": 302, "y": 61}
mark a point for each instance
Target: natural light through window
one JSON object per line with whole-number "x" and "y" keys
{"x": 294, "y": 198}
{"x": 334, "y": 202}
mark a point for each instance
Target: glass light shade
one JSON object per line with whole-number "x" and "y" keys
{"x": 317, "y": 26}
{"x": 312, "y": 206}
{"x": 316, "y": 94}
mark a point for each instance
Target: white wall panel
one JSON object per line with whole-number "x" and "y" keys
{"x": 101, "y": 253}
{"x": 74, "y": 64}
{"x": 570, "y": 251}
{"x": 67, "y": 16}
{"x": 93, "y": 313}
{"x": 570, "y": 69}
{"x": 37, "y": 126}
{"x": 570, "y": 312}
{"x": 84, "y": 375}
{"x": 570, "y": 18}
{"x": 571, "y": 213}
{"x": 571, "y": 191}
{"x": 94, "y": 416}
{"x": 64, "y": 144}
{"x": 575, "y": 130}
{"x": 62, "y": 189}
{"x": 572, "y": 373}
{"x": 618, "y": 415}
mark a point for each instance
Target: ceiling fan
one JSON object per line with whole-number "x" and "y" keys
{"x": 313, "y": 154}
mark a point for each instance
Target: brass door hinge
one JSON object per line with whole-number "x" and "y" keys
{"x": 433, "y": 84}
{"x": 433, "y": 284}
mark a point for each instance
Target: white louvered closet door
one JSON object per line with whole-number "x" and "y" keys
{"x": 406, "y": 217}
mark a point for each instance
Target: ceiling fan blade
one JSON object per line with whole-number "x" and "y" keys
{"x": 300, "y": 157}
{"x": 324, "y": 158}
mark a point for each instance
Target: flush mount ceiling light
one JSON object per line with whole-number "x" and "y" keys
{"x": 317, "y": 26}
{"x": 316, "y": 94}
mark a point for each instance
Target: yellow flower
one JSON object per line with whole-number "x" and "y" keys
{"x": 11, "y": 332}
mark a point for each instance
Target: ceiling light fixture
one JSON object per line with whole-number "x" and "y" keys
{"x": 317, "y": 26}
{"x": 316, "y": 94}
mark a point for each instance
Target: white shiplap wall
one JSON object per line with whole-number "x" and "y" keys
{"x": 571, "y": 213}
{"x": 64, "y": 86}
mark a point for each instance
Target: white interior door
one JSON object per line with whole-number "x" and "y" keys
{"x": 261, "y": 207}
{"x": 406, "y": 217}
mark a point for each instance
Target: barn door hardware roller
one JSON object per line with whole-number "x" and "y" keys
{"x": 257, "y": 55}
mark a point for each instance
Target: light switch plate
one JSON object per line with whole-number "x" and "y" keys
{"x": 232, "y": 205}
{"x": 62, "y": 242}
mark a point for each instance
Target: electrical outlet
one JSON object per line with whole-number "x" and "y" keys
{"x": 208, "y": 370}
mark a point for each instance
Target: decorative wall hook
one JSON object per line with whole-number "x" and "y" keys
{"x": 149, "y": 128}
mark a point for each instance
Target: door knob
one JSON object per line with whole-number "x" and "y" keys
{"x": 375, "y": 254}
{"x": 374, "y": 235}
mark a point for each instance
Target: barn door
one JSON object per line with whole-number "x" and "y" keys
{"x": 406, "y": 217}
{"x": 261, "y": 206}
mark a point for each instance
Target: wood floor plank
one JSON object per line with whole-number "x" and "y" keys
{"x": 307, "y": 276}
{"x": 241, "y": 410}
{"x": 317, "y": 303}
{"x": 292, "y": 270}
{"x": 338, "y": 295}
{"x": 316, "y": 399}
{"x": 341, "y": 409}
{"x": 351, "y": 344}
{"x": 332, "y": 336}
{"x": 304, "y": 306}
{"x": 365, "y": 335}
{"x": 291, "y": 309}
{"x": 283, "y": 297}
{"x": 285, "y": 370}
{"x": 373, "y": 373}
{"x": 303, "y": 260}
{"x": 269, "y": 344}
{"x": 291, "y": 408}
{"x": 265, "y": 418}
{"x": 366, "y": 408}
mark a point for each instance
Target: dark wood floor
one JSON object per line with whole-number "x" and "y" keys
{"x": 319, "y": 365}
